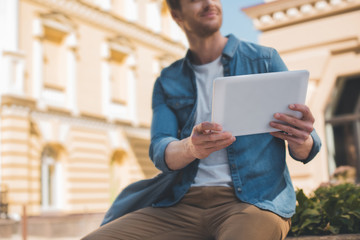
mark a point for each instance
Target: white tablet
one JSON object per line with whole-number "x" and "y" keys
{"x": 246, "y": 104}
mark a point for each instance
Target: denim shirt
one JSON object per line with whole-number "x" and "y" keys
{"x": 257, "y": 162}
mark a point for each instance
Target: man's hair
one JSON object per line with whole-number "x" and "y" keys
{"x": 173, "y": 4}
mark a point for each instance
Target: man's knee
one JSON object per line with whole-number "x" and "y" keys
{"x": 252, "y": 223}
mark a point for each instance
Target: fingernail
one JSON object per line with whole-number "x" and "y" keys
{"x": 292, "y": 106}
{"x": 276, "y": 115}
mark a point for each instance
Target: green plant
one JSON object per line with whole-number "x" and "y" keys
{"x": 329, "y": 210}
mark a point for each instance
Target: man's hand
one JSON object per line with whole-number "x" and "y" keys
{"x": 296, "y": 131}
{"x": 205, "y": 139}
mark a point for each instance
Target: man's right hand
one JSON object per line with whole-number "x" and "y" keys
{"x": 205, "y": 139}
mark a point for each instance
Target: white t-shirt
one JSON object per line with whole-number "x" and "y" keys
{"x": 214, "y": 169}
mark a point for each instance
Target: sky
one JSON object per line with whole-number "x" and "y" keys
{"x": 236, "y": 22}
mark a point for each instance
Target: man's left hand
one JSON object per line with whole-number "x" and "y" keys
{"x": 296, "y": 131}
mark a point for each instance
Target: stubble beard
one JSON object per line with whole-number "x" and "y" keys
{"x": 202, "y": 30}
{"x": 205, "y": 30}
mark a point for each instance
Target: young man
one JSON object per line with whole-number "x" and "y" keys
{"x": 227, "y": 187}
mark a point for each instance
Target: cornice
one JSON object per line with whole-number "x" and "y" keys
{"x": 282, "y": 13}
{"x": 88, "y": 120}
{"x": 83, "y": 121}
{"x": 9, "y": 100}
{"x": 103, "y": 19}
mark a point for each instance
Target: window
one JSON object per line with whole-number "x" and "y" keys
{"x": 117, "y": 173}
{"x": 102, "y": 4}
{"x": 343, "y": 125}
{"x": 51, "y": 179}
{"x": 131, "y": 10}
{"x": 54, "y": 58}
{"x": 175, "y": 31}
{"x": 153, "y": 13}
{"x": 119, "y": 79}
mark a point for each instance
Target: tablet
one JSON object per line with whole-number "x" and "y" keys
{"x": 246, "y": 104}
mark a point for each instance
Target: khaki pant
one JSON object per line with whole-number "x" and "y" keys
{"x": 204, "y": 213}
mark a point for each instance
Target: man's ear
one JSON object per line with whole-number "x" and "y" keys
{"x": 176, "y": 15}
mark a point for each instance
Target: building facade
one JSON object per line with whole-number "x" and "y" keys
{"x": 75, "y": 95}
{"x": 322, "y": 36}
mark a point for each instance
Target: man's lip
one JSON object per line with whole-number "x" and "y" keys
{"x": 209, "y": 14}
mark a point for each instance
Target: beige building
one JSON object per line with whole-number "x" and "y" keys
{"x": 76, "y": 78}
{"x": 322, "y": 36}
{"x": 75, "y": 96}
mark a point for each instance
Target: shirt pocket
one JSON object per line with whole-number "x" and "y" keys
{"x": 182, "y": 107}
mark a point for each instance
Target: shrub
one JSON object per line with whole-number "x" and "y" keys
{"x": 329, "y": 210}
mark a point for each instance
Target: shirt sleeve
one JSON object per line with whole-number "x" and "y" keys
{"x": 164, "y": 128}
{"x": 314, "y": 150}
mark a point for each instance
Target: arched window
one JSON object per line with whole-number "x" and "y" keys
{"x": 343, "y": 125}
{"x": 51, "y": 179}
{"x": 117, "y": 173}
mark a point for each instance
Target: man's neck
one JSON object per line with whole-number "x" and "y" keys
{"x": 207, "y": 49}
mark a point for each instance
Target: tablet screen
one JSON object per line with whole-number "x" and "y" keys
{"x": 246, "y": 104}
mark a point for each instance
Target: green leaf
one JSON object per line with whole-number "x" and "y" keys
{"x": 329, "y": 210}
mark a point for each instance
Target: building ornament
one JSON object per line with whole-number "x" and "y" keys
{"x": 119, "y": 44}
{"x": 24, "y": 107}
{"x": 105, "y": 19}
{"x": 278, "y": 14}
{"x": 58, "y": 21}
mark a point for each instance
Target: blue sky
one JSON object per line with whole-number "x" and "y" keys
{"x": 236, "y": 22}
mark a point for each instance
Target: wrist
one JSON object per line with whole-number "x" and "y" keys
{"x": 301, "y": 151}
{"x": 187, "y": 150}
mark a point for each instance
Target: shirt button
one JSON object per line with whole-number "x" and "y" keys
{"x": 238, "y": 189}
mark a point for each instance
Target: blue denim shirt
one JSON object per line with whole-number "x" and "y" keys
{"x": 257, "y": 162}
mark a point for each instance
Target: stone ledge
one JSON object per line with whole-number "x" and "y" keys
{"x": 328, "y": 237}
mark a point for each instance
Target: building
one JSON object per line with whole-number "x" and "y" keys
{"x": 322, "y": 36}
{"x": 75, "y": 96}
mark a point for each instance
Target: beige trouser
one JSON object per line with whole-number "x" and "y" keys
{"x": 204, "y": 213}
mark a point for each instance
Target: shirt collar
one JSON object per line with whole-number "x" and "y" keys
{"x": 231, "y": 46}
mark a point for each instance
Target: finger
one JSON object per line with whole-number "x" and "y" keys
{"x": 207, "y": 126}
{"x": 204, "y": 139}
{"x": 289, "y": 130}
{"x": 221, "y": 145}
{"x": 286, "y": 137}
{"x": 217, "y": 136}
{"x": 292, "y": 121}
{"x": 305, "y": 110}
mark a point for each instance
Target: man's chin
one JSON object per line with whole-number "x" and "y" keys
{"x": 208, "y": 31}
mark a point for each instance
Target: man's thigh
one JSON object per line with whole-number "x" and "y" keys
{"x": 245, "y": 221}
{"x": 175, "y": 223}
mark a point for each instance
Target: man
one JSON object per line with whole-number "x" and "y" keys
{"x": 227, "y": 187}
